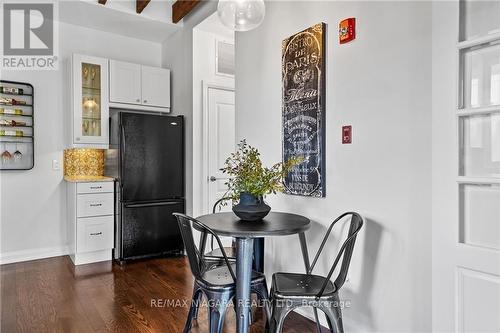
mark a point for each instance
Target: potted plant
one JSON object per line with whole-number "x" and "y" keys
{"x": 249, "y": 181}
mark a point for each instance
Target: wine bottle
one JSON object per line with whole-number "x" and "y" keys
{"x": 11, "y": 101}
{"x": 16, "y": 112}
{"x": 11, "y": 133}
{"x": 11, "y": 90}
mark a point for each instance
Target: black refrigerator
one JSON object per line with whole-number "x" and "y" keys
{"x": 146, "y": 156}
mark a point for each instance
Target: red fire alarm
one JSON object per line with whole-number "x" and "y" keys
{"x": 347, "y": 30}
{"x": 346, "y": 134}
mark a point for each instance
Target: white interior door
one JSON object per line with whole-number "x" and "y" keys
{"x": 466, "y": 232}
{"x": 220, "y": 130}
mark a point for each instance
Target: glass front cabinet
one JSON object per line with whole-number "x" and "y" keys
{"x": 90, "y": 99}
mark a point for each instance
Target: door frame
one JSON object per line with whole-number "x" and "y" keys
{"x": 205, "y": 165}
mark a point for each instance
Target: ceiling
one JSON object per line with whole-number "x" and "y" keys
{"x": 214, "y": 25}
{"x": 119, "y": 17}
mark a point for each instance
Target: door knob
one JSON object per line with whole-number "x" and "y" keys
{"x": 213, "y": 179}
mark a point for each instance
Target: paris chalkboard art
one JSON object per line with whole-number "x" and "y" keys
{"x": 303, "y": 110}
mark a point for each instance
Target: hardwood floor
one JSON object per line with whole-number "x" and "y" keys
{"x": 51, "y": 295}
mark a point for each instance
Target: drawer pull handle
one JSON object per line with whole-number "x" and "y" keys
{"x": 96, "y": 233}
{"x": 96, "y": 205}
{"x": 95, "y": 187}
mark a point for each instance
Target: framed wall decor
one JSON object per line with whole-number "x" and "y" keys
{"x": 17, "y": 148}
{"x": 303, "y": 110}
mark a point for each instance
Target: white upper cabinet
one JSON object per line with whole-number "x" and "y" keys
{"x": 155, "y": 86}
{"x": 125, "y": 82}
{"x": 90, "y": 116}
{"x": 139, "y": 87}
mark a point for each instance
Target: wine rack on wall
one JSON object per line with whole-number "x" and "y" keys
{"x": 17, "y": 136}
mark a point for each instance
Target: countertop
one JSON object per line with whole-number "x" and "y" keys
{"x": 88, "y": 179}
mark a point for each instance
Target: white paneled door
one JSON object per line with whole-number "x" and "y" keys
{"x": 220, "y": 130}
{"x": 467, "y": 248}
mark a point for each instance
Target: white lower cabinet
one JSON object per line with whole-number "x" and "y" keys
{"x": 94, "y": 233}
{"x": 91, "y": 221}
{"x": 98, "y": 204}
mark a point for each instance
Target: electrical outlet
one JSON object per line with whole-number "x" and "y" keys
{"x": 55, "y": 165}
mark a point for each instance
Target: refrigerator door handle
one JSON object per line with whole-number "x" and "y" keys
{"x": 151, "y": 204}
{"x": 122, "y": 152}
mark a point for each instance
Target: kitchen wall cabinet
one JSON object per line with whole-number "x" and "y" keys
{"x": 91, "y": 221}
{"x": 125, "y": 82}
{"x": 90, "y": 102}
{"x": 155, "y": 86}
{"x": 135, "y": 86}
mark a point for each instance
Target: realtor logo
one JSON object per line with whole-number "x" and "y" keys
{"x": 29, "y": 40}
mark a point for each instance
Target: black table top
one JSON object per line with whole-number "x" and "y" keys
{"x": 274, "y": 224}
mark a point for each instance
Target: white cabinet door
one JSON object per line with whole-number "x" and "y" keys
{"x": 97, "y": 204}
{"x": 90, "y": 102}
{"x": 125, "y": 82}
{"x": 94, "y": 233}
{"x": 155, "y": 86}
{"x": 95, "y": 187}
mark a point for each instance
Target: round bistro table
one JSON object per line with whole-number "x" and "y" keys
{"x": 274, "y": 224}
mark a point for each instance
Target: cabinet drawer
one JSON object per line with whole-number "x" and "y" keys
{"x": 95, "y": 204}
{"x": 94, "y": 233}
{"x": 95, "y": 187}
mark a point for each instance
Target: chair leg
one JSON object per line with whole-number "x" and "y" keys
{"x": 316, "y": 319}
{"x": 340, "y": 326}
{"x": 263, "y": 295}
{"x": 217, "y": 312}
{"x": 197, "y": 300}
{"x": 279, "y": 314}
{"x": 330, "y": 324}
{"x": 216, "y": 320}
{"x": 193, "y": 310}
{"x": 334, "y": 318}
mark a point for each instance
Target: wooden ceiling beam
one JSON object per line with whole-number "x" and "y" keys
{"x": 140, "y": 5}
{"x": 102, "y": 2}
{"x": 181, "y": 8}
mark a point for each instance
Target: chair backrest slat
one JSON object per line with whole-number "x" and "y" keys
{"x": 345, "y": 251}
{"x": 217, "y": 204}
{"x": 356, "y": 224}
{"x": 196, "y": 259}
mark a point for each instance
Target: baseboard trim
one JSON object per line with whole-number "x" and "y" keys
{"x": 32, "y": 254}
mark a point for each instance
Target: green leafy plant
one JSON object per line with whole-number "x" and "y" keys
{"x": 247, "y": 174}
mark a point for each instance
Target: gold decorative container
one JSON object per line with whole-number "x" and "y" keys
{"x": 83, "y": 162}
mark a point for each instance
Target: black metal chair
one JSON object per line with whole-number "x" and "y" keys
{"x": 217, "y": 284}
{"x": 293, "y": 290}
{"x": 215, "y": 254}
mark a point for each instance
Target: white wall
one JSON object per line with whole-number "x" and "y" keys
{"x": 204, "y": 69}
{"x": 381, "y": 85}
{"x": 33, "y": 211}
{"x": 177, "y": 54}
{"x": 445, "y": 19}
